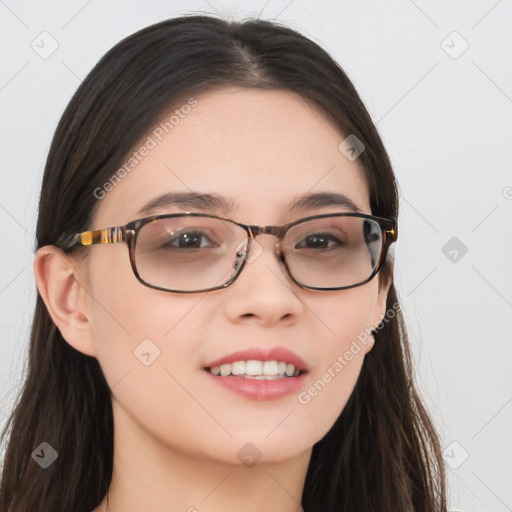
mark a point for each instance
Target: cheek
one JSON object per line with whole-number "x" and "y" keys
{"x": 339, "y": 354}
{"x": 135, "y": 327}
{"x": 332, "y": 383}
{"x": 148, "y": 354}
{"x": 342, "y": 317}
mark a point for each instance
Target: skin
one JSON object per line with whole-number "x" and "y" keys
{"x": 177, "y": 434}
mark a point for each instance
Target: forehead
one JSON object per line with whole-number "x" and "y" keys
{"x": 258, "y": 149}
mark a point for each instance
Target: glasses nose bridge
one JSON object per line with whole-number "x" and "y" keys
{"x": 276, "y": 231}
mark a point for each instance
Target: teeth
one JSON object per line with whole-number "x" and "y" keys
{"x": 290, "y": 369}
{"x": 225, "y": 370}
{"x": 238, "y": 368}
{"x": 270, "y": 368}
{"x": 259, "y": 370}
{"x": 253, "y": 367}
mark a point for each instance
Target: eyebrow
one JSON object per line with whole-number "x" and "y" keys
{"x": 203, "y": 201}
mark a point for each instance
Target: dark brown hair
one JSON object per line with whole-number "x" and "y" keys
{"x": 383, "y": 452}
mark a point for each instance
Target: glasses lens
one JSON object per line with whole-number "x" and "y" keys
{"x": 188, "y": 253}
{"x": 331, "y": 252}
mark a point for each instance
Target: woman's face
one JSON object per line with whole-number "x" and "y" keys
{"x": 259, "y": 150}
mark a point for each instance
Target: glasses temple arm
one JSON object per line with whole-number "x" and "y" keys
{"x": 98, "y": 236}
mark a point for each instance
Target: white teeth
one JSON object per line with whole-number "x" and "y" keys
{"x": 270, "y": 368}
{"x": 254, "y": 369}
{"x": 225, "y": 370}
{"x": 238, "y": 368}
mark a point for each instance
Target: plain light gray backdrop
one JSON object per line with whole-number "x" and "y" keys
{"x": 437, "y": 79}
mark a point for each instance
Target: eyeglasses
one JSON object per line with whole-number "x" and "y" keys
{"x": 194, "y": 252}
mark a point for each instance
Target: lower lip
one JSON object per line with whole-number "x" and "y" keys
{"x": 260, "y": 389}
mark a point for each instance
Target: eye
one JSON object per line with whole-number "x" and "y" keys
{"x": 320, "y": 241}
{"x": 189, "y": 240}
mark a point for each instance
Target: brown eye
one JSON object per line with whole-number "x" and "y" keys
{"x": 319, "y": 241}
{"x": 189, "y": 240}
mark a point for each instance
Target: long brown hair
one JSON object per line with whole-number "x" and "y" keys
{"x": 383, "y": 452}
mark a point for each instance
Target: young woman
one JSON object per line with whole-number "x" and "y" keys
{"x": 216, "y": 326}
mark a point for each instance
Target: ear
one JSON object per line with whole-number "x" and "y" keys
{"x": 57, "y": 278}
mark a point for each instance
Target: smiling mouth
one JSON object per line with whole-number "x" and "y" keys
{"x": 258, "y": 370}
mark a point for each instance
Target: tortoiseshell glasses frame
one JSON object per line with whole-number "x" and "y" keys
{"x": 129, "y": 235}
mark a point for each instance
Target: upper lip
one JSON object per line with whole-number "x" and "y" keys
{"x": 262, "y": 354}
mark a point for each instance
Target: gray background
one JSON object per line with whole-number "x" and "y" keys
{"x": 445, "y": 118}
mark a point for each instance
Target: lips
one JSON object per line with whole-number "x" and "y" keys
{"x": 247, "y": 363}
{"x": 261, "y": 354}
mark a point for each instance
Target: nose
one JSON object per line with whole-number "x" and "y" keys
{"x": 264, "y": 292}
